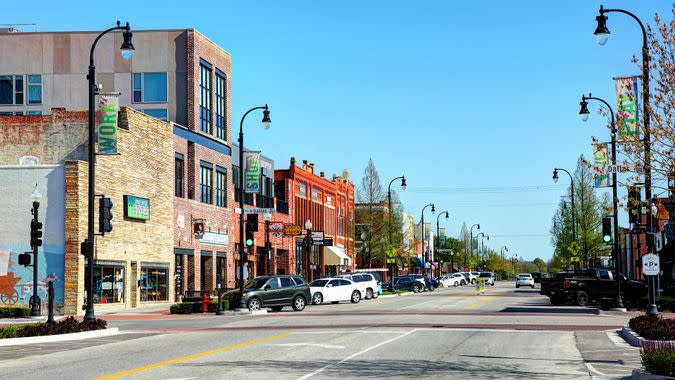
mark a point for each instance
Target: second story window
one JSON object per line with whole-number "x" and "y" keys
{"x": 205, "y": 182}
{"x": 150, "y": 88}
{"x": 178, "y": 175}
{"x": 160, "y": 113}
{"x": 11, "y": 89}
{"x": 221, "y": 187}
{"x": 204, "y": 99}
{"x": 220, "y": 107}
{"x": 34, "y": 89}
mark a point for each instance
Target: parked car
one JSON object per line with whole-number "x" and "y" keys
{"x": 489, "y": 278}
{"x": 583, "y": 286}
{"x": 405, "y": 283}
{"x": 524, "y": 279}
{"x": 433, "y": 283}
{"x": 470, "y": 278}
{"x": 553, "y": 287}
{"x": 462, "y": 278}
{"x": 454, "y": 279}
{"x": 366, "y": 283}
{"x": 274, "y": 292}
{"x": 538, "y": 276}
{"x": 334, "y": 290}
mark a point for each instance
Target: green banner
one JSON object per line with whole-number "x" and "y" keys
{"x": 252, "y": 172}
{"x": 108, "y": 106}
{"x": 600, "y": 162}
{"x": 627, "y": 107}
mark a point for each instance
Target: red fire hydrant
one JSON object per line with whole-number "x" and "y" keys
{"x": 205, "y": 302}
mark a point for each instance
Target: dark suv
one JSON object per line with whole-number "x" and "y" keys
{"x": 274, "y": 292}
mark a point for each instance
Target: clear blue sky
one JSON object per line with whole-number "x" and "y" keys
{"x": 454, "y": 94}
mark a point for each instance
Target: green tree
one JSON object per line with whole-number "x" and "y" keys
{"x": 540, "y": 264}
{"x": 371, "y": 217}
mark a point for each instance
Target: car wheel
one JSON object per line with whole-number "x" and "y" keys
{"x": 317, "y": 299}
{"x": 416, "y": 289}
{"x": 277, "y": 308}
{"x": 369, "y": 293}
{"x": 376, "y": 294}
{"x": 456, "y": 284}
{"x": 517, "y": 286}
{"x": 532, "y": 286}
{"x": 356, "y": 296}
{"x": 299, "y": 303}
{"x": 582, "y": 298}
{"x": 254, "y": 304}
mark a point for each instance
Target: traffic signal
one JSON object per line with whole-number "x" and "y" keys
{"x": 105, "y": 215}
{"x": 633, "y": 201}
{"x": 24, "y": 259}
{"x": 35, "y": 234}
{"x": 607, "y": 229}
{"x": 249, "y": 233}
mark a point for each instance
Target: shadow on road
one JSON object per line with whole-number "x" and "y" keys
{"x": 550, "y": 310}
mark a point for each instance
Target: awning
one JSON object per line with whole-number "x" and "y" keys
{"x": 333, "y": 255}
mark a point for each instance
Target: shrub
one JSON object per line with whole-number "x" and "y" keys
{"x": 658, "y": 357}
{"x": 14, "y": 311}
{"x": 653, "y": 327}
{"x": 196, "y": 307}
{"x": 64, "y": 326}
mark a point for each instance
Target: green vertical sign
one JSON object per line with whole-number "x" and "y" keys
{"x": 252, "y": 172}
{"x": 108, "y": 107}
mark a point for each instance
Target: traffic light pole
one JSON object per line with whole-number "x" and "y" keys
{"x": 35, "y": 304}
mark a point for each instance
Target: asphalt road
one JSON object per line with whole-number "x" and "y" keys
{"x": 448, "y": 333}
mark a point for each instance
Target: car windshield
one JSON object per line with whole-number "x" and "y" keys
{"x": 318, "y": 283}
{"x": 256, "y": 283}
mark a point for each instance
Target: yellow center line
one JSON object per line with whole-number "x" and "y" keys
{"x": 481, "y": 302}
{"x": 165, "y": 363}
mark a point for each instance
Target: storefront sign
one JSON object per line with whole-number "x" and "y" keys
{"x": 292, "y": 230}
{"x": 108, "y": 106}
{"x": 252, "y": 172}
{"x": 215, "y": 238}
{"x": 627, "y": 107}
{"x": 136, "y": 207}
{"x": 277, "y": 229}
{"x": 600, "y": 162}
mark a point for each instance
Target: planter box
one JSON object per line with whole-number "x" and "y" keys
{"x": 636, "y": 340}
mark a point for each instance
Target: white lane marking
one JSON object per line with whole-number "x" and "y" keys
{"x": 355, "y": 355}
{"x": 306, "y": 344}
{"x": 418, "y": 304}
{"x": 590, "y": 368}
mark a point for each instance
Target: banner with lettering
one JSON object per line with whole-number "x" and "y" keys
{"x": 627, "y": 107}
{"x": 600, "y": 162}
{"x": 108, "y": 107}
{"x": 252, "y": 172}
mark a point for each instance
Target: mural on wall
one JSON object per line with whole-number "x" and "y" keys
{"x": 16, "y": 281}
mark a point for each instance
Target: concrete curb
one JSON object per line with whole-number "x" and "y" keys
{"x": 248, "y": 312}
{"x": 641, "y": 374}
{"x": 632, "y": 337}
{"x": 396, "y": 295}
{"x": 58, "y": 338}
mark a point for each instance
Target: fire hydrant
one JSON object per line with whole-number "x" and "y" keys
{"x": 205, "y": 302}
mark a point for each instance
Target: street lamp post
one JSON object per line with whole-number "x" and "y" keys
{"x": 438, "y": 236}
{"x": 471, "y": 242}
{"x": 266, "y": 122}
{"x": 36, "y": 305}
{"x": 504, "y": 248}
{"x": 482, "y": 241}
{"x": 424, "y": 250}
{"x": 584, "y": 113}
{"x": 127, "y": 51}
{"x": 403, "y": 186}
{"x": 307, "y": 243}
{"x": 555, "y": 179}
{"x": 602, "y": 34}
{"x": 268, "y": 245}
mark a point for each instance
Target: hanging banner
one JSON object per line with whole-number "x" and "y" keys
{"x": 627, "y": 107}
{"x": 252, "y": 172}
{"x": 108, "y": 106}
{"x": 600, "y": 162}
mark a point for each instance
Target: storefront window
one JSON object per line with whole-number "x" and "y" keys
{"x": 154, "y": 284}
{"x": 108, "y": 283}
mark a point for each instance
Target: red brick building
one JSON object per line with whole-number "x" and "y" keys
{"x": 638, "y": 247}
{"x": 329, "y": 205}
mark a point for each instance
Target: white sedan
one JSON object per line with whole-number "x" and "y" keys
{"x": 334, "y": 290}
{"x": 452, "y": 280}
{"x": 524, "y": 279}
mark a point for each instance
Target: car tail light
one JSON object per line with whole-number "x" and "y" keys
{"x": 566, "y": 284}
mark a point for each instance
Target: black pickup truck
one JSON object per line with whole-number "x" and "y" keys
{"x": 583, "y": 286}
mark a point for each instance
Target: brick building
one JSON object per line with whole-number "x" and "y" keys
{"x": 133, "y": 263}
{"x": 329, "y": 205}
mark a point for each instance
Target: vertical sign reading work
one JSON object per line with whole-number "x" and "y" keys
{"x": 252, "y": 172}
{"x": 627, "y": 107}
{"x": 108, "y": 106}
{"x": 600, "y": 162}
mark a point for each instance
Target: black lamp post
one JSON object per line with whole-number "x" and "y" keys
{"x": 555, "y": 179}
{"x": 602, "y": 34}
{"x": 438, "y": 235}
{"x": 127, "y": 51}
{"x": 504, "y": 248}
{"x": 307, "y": 243}
{"x": 36, "y": 226}
{"x": 482, "y": 242}
{"x": 471, "y": 242}
{"x": 266, "y": 122}
{"x": 584, "y": 113}
{"x": 268, "y": 245}
{"x": 393, "y": 266}
{"x": 424, "y": 250}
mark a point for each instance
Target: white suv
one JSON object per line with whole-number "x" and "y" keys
{"x": 366, "y": 283}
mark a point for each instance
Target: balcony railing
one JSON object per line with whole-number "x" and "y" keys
{"x": 264, "y": 201}
{"x": 282, "y": 206}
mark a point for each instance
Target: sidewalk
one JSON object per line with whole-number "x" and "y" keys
{"x": 607, "y": 354}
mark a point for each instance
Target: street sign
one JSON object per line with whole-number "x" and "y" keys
{"x": 277, "y": 229}
{"x": 317, "y": 235}
{"x": 574, "y": 259}
{"x": 323, "y": 242}
{"x": 619, "y": 168}
{"x": 574, "y": 248}
{"x": 391, "y": 252}
{"x": 292, "y": 230}
{"x": 258, "y": 210}
{"x": 658, "y": 241}
{"x": 391, "y": 261}
{"x": 444, "y": 250}
{"x": 650, "y": 264}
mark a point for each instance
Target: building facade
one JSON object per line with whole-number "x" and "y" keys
{"x": 329, "y": 205}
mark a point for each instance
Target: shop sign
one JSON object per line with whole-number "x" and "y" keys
{"x": 292, "y": 230}
{"x": 277, "y": 229}
{"x": 136, "y": 207}
{"x": 215, "y": 238}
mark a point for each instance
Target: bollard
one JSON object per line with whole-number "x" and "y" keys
{"x": 50, "y": 292}
{"x": 205, "y": 302}
{"x": 219, "y": 308}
